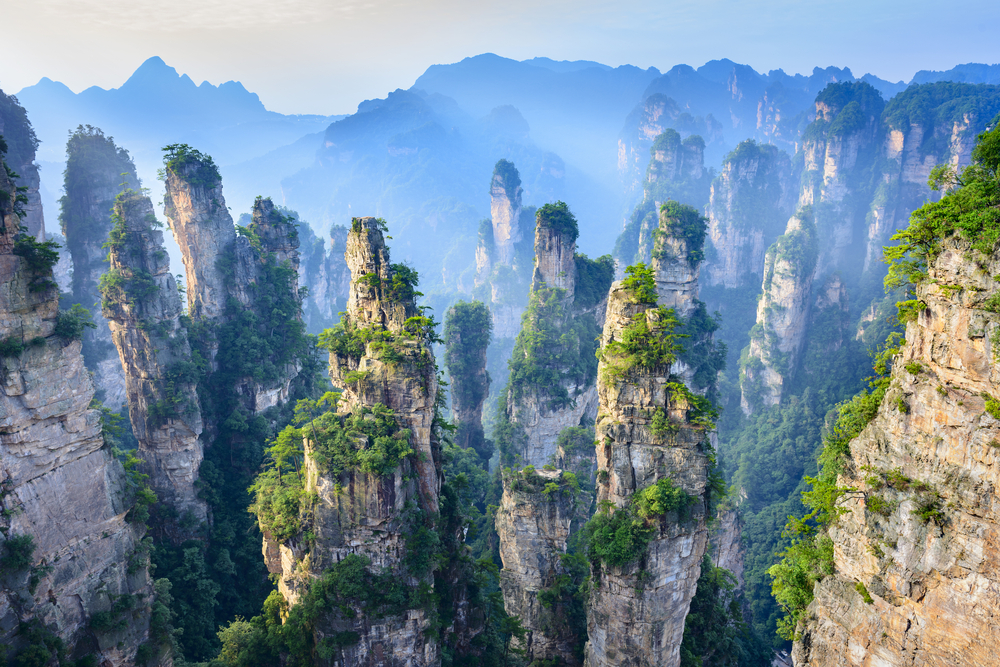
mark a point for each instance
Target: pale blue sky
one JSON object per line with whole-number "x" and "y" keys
{"x": 318, "y": 56}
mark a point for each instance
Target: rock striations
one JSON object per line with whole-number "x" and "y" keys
{"x": 70, "y": 553}
{"x": 96, "y": 171}
{"x": 143, "y": 309}
{"x": 914, "y": 557}
{"x": 19, "y": 135}
{"x": 365, "y": 510}
{"x": 467, "y": 335}
{"x": 651, "y": 440}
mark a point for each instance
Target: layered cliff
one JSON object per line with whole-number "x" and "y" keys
{"x": 750, "y": 202}
{"x": 74, "y": 565}
{"x": 372, "y": 472}
{"x": 96, "y": 171}
{"x": 143, "y": 309}
{"x": 910, "y": 545}
{"x": 533, "y": 522}
{"x": 778, "y": 336}
{"x": 648, "y": 539}
{"x": 553, "y": 372}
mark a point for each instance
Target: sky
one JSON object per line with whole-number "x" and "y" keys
{"x": 325, "y": 56}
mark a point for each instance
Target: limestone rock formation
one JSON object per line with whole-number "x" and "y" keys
{"x": 96, "y": 171}
{"x": 61, "y": 484}
{"x": 143, "y": 309}
{"x": 918, "y": 537}
{"x": 750, "y": 202}
{"x": 637, "y": 609}
{"x": 21, "y": 146}
{"x": 369, "y": 511}
{"x": 552, "y": 373}
{"x": 533, "y": 523}
{"x": 505, "y": 210}
{"x": 203, "y": 227}
{"x": 323, "y": 271}
{"x": 676, "y": 171}
{"x": 782, "y": 312}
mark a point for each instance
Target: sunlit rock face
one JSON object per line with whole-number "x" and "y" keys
{"x": 61, "y": 484}
{"x": 932, "y": 579}
{"x": 152, "y": 343}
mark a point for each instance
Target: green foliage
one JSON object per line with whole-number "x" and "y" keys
{"x": 640, "y": 283}
{"x": 558, "y": 218}
{"x": 467, "y": 331}
{"x": 649, "y": 342}
{"x": 684, "y": 223}
{"x": 11, "y": 347}
{"x": 593, "y": 279}
{"x": 617, "y": 537}
{"x": 992, "y": 406}
{"x": 70, "y": 324}
{"x": 510, "y": 179}
{"x": 18, "y": 553}
{"x": 576, "y": 440}
{"x": 369, "y": 440}
{"x": 553, "y": 350}
{"x": 279, "y": 490}
{"x": 39, "y": 258}
{"x": 715, "y": 633}
{"x": 141, "y": 496}
{"x": 971, "y": 211}
{"x": 191, "y": 165}
{"x": 863, "y": 592}
{"x": 705, "y": 356}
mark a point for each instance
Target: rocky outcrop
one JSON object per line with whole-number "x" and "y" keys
{"x": 676, "y": 172}
{"x": 533, "y": 524}
{"x": 750, "y": 202}
{"x": 914, "y": 556}
{"x": 637, "y": 608}
{"x": 96, "y": 171}
{"x": 16, "y": 130}
{"x": 924, "y": 126}
{"x": 839, "y": 149}
{"x": 143, "y": 308}
{"x": 323, "y": 271}
{"x": 782, "y": 312}
{"x": 62, "y": 487}
{"x": 728, "y": 551}
{"x": 466, "y": 337}
{"x": 505, "y": 210}
{"x": 371, "y": 511}
{"x": 204, "y": 230}
{"x": 553, "y": 336}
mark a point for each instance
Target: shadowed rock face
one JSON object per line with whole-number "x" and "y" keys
{"x": 636, "y": 612}
{"x": 96, "y": 171}
{"x": 533, "y": 528}
{"x": 144, "y": 316}
{"x": 933, "y": 583}
{"x": 61, "y": 484}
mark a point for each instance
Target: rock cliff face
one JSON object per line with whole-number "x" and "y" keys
{"x": 143, "y": 309}
{"x": 322, "y": 269}
{"x": 370, "y": 514}
{"x": 776, "y": 340}
{"x": 96, "y": 171}
{"x": 203, "y": 227}
{"x": 919, "y": 536}
{"x": 541, "y": 411}
{"x": 750, "y": 202}
{"x": 61, "y": 485}
{"x": 636, "y": 611}
{"x": 534, "y": 527}
{"x": 505, "y": 210}
{"x": 21, "y": 145}
{"x": 676, "y": 171}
